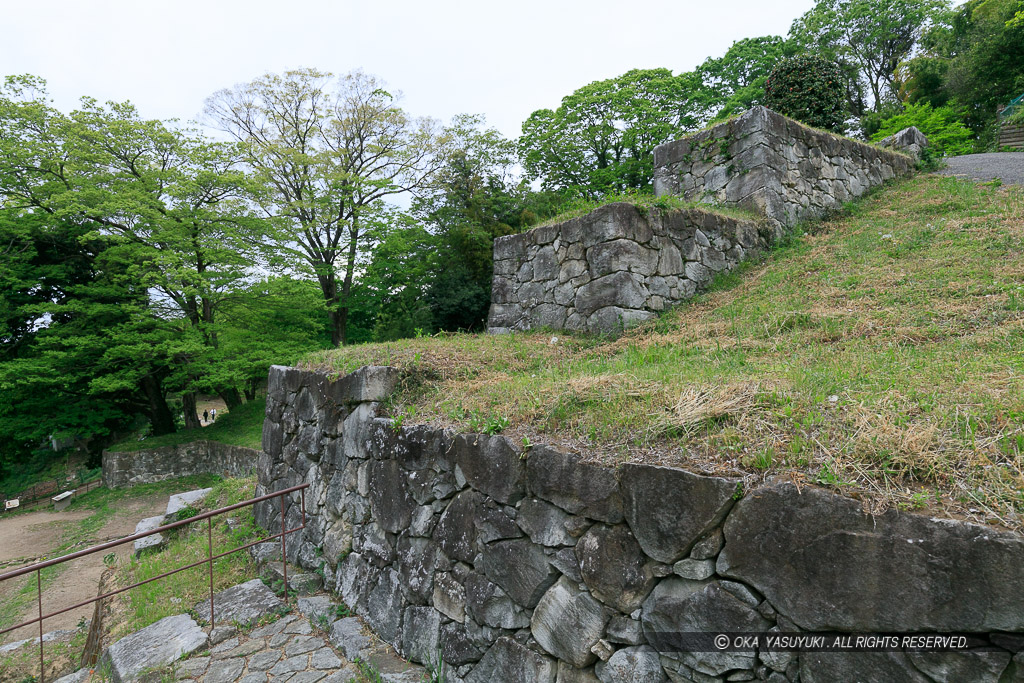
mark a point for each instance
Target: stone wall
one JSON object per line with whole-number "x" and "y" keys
{"x": 614, "y": 267}
{"x": 775, "y": 166}
{"x": 537, "y": 566}
{"x": 618, "y": 266}
{"x": 168, "y": 462}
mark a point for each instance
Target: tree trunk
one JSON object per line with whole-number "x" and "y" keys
{"x": 231, "y": 397}
{"x": 160, "y": 417}
{"x": 350, "y": 268}
{"x": 188, "y": 403}
{"x": 250, "y": 389}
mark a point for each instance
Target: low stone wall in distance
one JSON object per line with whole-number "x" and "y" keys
{"x": 537, "y": 566}
{"x": 776, "y": 166}
{"x": 614, "y": 267}
{"x": 169, "y": 462}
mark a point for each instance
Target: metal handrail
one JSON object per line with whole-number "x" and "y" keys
{"x": 210, "y": 557}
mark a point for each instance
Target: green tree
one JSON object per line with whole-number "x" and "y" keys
{"x": 325, "y": 153}
{"x": 477, "y": 197}
{"x": 74, "y": 358}
{"x": 168, "y": 205}
{"x": 985, "y": 50}
{"x": 735, "y": 81}
{"x": 602, "y": 137}
{"x": 871, "y": 36}
{"x": 807, "y": 88}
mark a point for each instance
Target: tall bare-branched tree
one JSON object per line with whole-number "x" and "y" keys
{"x": 325, "y": 152}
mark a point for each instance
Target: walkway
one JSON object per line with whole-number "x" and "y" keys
{"x": 1006, "y": 166}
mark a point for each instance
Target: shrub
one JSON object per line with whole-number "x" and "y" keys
{"x": 945, "y": 131}
{"x": 808, "y": 88}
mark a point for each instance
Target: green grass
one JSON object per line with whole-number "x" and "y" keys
{"x": 103, "y": 504}
{"x": 243, "y": 426}
{"x": 180, "y": 592}
{"x": 881, "y": 355}
{"x": 647, "y": 202}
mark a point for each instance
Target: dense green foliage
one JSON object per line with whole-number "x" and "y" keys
{"x": 809, "y": 89}
{"x": 945, "y": 132}
{"x": 870, "y": 38}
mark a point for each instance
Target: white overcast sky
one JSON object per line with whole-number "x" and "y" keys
{"x": 503, "y": 60}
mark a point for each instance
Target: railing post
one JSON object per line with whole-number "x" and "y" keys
{"x": 39, "y": 602}
{"x": 284, "y": 553}
{"x": 209, "y": 556}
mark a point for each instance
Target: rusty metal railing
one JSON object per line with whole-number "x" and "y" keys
{"x": 210, "y": 557}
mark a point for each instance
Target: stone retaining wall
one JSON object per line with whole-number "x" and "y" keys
{"x": 614, "y": 267}
{"x": 775, "y": 166}
{"x": 169, "y": 462}
{"x": 618, "y": 265}
{"x": 537, "y": 566}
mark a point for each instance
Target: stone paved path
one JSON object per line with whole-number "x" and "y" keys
{"x": 290, "y": 649}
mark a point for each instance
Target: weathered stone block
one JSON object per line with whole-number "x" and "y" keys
{"x": 614, "y": 567}
{"x": 568, "y": 622}
{"x": 669, "y": 509}
{"x": 521, "y": 569}
{"x": 893, "y": 572}
{"x": 507, "y": 660}
{"x": 153, "y": 647}
{"x": 488, "y": 604}
{"x": 679, "y": 606}
{"x": 544, "y": 523}
{"x": 632, "y": 665}
{"x": 456, "y": 529}
{"x": 491, "y": 466}
{"x": 579, "y": 488}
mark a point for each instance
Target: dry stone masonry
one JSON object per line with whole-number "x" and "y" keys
{"x": 169, "y": 462}
{"x": 614, "y": 267}
{"x": 619, "y": 265}
{"x": 524, "y": 566}
{"x": 776, "y": 166}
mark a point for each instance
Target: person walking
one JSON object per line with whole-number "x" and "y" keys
{"x": 213, "y": 415}
{"x": 206, "y": 416}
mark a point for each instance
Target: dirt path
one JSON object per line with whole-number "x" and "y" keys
{"x": 32, "y": 535}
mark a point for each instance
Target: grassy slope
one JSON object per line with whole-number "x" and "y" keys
{"x": 882, "y": 355}
{"x": 241, "y": 427}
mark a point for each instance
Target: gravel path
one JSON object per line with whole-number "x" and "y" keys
{"x": 1007, "y": 166}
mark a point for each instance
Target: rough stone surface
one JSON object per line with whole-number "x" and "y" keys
{"x": 521, "y": 569}
{"x": 507, "y": 660}
{"x": 491, "y": 466}
{"x": 472, "y": 573}
{"x": 619, "y": 265}
{"x": 683, "y": 606}
{"x": 846, "y": 570}
{"x": 170, "y": 462}
{"x": 155, "y": 646}
{"x": 632, "y": 665}
{"x": 180, "y": 501}
{"x": 245, "y": 603}
{"x": 568, "y": 623}
{"x": 347, "y": 635}
{"x": 152, "y": 541}
{"x": 614, "y": 568}
{"x": 822, "y": 667}
{"x": 669, "y": 509}
{"x": 577, "y": 487}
